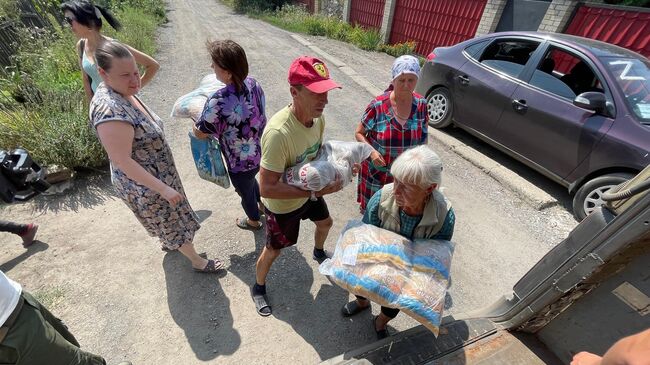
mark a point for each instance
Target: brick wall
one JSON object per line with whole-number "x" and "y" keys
{"x": 557, "y": 16}
{"x": 491, "y": 16}
{"x": 333, "y": 8}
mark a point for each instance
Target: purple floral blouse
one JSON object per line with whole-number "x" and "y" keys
{"x": 237, "y": 120}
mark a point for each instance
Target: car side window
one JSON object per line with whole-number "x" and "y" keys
{"x": 565, "y": 74}
{"x": 508, "y": 55}
{"x": 476, "y": 49}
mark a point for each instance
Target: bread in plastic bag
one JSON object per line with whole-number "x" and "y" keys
{"x": 393, "y": 271}
{"x": 191, "y": 104}
{"x": 334, "y": 158}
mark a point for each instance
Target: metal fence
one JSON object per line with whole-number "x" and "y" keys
{"x": 623, "y": 26}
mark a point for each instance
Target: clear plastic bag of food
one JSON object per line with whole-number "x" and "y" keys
{"x": 335, "y": 158}
{"x": 191, "y": 104}
{"x": 393, "y": 271}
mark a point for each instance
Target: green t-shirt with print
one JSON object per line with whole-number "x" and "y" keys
{"x": 285, "y": 143}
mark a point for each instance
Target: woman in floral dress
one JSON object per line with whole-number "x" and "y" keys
{"x": 392, "y": 123}
{"x": 235, "y": 116}
{"x": 144, "y": 174}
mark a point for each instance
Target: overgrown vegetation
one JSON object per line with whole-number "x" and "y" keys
{"x": 296, "y": 19}
{"x": 42, "y": 106}
{"x": 640, "y": 3}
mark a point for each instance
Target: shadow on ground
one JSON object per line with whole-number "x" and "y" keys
{"x": 90, "y": 188}
{"x": 316, "y": 319}
{"x": 198, "y": 305}
{"x": 35, "y": 247}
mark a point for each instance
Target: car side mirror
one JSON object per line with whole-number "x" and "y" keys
{"x": 591, "y": 100}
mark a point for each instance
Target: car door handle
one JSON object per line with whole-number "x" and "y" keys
{"x": 519, "y": 105}
{"x": 464, "y": 80}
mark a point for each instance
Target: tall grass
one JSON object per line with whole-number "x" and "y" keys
{"x": 42, "y": 107}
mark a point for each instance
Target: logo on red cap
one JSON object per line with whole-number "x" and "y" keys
{"x": 321, "y": 69}
{"x": 311, "y": 73}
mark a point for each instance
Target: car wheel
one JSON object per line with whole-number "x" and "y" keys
{"x": 589, "y": 196}
{"x": 440, "y": 107}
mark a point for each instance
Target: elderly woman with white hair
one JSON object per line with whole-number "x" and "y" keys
{"x": 412, "y": 206}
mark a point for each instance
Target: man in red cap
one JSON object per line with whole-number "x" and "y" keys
{"x": 292, "y": 137}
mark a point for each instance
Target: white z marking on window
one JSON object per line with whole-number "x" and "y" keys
{"x": 626, "y": 70}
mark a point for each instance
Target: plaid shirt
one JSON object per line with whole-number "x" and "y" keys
{"x": 390, "y": 139}
{"x": 407, "y": 222}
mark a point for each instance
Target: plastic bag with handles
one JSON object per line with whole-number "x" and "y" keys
{"x": 191, "y": 104}
{"x": 335, "y": 158}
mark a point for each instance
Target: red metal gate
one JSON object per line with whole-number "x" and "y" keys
{"x": 623, "y": 27}
{"x": 435, "y": 23}
{"x": 309, "y": 4}
{"x": 367, "y": 13}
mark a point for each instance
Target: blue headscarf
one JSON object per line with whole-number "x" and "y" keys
{"x": 405, "y": 65}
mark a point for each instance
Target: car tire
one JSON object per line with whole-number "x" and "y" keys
{"x": 589, "y": 196}
{"x": 440, "y": 107}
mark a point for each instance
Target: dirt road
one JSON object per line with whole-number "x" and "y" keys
{"x": 125, "y": 299}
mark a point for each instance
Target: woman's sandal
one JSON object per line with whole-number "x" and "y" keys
{"x": 352, "y": 308}
{"x": 243, "y": 224}
{"x": 211, "y": 267}
{"x": 381, "y": 334}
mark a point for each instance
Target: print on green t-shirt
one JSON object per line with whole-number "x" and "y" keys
{"x": 310, "y": 153}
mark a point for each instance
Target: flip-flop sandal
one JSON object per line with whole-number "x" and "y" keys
{"x": 211, "y": 267}
{"x": 243, "y": 224}
{"x": 261, "y": 303}
{"x": 381, "y": 334}
{"x": 352, "y": 308}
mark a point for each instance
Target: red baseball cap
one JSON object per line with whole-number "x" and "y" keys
{"x": 311, "y": 73}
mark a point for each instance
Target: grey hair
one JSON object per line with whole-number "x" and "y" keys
{"x": 418, "y": 166}
{"x": 109, "y": 50}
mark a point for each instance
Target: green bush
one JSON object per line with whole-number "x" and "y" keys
{"x": 296, "y": 19}
{"x": 150, "y": 7}
{"x": 399, "y": 49}
{"x": 56, "y": 133}
{"x": 641, "y": 3}
{"x": 42, "y": 107}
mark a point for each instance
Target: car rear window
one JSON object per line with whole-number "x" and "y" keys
{"x": 475, "y": 50}
{"x": 508, "y": 55}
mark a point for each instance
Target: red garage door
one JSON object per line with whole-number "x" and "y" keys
{"x": 623, "y": 27}
{"x": 367, "y": 13}
{"x": 435, "y": 23}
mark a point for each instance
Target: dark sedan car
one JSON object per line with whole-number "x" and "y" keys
{"x": 575, "y": 109}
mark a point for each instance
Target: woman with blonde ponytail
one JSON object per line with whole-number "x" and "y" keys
{"x": 85, "y": 20}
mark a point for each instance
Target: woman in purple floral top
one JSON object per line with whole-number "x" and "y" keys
{"x": 235, "y": 116}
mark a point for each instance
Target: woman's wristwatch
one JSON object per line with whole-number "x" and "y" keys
{"x": 312, "y": 196}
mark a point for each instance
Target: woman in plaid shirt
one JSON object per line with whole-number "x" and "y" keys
{"x": 392, "y": 123}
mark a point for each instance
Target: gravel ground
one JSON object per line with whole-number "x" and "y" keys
{"x": 125, "y": 299}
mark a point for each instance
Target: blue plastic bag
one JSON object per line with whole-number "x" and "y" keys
{"x": 208, "y": 160}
